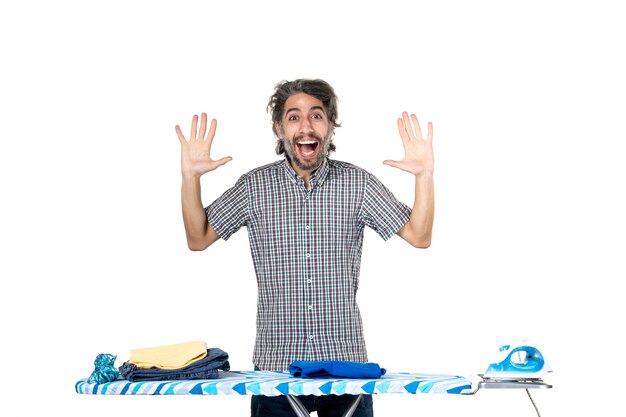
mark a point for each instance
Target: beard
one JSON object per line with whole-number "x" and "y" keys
{"x": 292, "y": 155}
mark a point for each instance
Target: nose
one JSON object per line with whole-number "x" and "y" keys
{"x": 305, "y": 125}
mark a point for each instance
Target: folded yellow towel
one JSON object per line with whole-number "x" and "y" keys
{"x": 168, "y": 357}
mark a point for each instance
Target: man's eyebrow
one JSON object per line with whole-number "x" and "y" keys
{"x": 312, "y": 108}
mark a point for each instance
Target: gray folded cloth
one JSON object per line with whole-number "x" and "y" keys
{"x": 205, "y": 368}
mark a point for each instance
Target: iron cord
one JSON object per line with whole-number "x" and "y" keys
{"x": 533, "y": 401}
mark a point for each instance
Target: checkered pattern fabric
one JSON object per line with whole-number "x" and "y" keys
{"x": 306, "y": 247}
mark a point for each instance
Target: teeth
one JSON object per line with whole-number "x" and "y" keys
{"x": 309, "y": 142}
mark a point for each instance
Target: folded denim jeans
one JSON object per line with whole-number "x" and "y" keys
{"x": 205, "y": 368}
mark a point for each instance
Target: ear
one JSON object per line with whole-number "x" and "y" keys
{"x": 277, "y": 130}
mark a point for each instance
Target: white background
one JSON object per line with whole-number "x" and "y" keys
{"x": 528, "y": 104}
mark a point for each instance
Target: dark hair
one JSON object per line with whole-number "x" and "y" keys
{"x": 319, "y": 89}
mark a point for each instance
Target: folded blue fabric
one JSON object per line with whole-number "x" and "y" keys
{"x": 342, "y": 369}
{"x": 205, "y": 368}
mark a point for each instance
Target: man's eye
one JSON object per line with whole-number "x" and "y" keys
{"x": 292, "y": 118}
{"x": 317, "y": 116}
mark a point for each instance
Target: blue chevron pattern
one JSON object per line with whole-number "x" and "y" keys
{"x": 282, "y": 383}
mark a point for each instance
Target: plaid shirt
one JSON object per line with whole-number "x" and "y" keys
{"x": 306, "y": 247}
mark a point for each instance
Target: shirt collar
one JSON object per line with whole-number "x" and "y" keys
{"x": 317, "y": 178}
{"x": 320, "y": 174}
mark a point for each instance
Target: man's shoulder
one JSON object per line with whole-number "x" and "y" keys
{"x": 264, "y": 170}
{"x": 342, "y": 167}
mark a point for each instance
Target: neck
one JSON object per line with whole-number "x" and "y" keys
{"x": 305, "y": 174}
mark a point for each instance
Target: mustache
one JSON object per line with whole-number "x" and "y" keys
{"x": 310, "y": 135}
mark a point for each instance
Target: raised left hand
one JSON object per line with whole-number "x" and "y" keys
{"x": 418, "y": 152}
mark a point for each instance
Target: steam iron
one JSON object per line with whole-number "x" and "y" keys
{"x": 518, "y": 366}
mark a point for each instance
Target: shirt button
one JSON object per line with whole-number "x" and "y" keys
{"x": 308, "y": 281}
{"x": 311, "y": 336}
{"x": 310, "y": 307}
{"x": 308, "y": 255}
{"x": 307, "y": 227}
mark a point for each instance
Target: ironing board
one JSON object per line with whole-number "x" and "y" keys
{"x": 274, "y": 383}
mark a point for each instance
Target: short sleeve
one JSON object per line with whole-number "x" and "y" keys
{"x": 229, "y": 212}
{"x": 382, "y": 211}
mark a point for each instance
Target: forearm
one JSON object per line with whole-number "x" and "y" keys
{"x": 200, "y": 235}
{"x": 418, "y": 230}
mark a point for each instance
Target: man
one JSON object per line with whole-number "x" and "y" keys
{"x": 305, "y": 217}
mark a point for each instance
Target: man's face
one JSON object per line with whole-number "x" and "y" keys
{"x": 305, "y": 131}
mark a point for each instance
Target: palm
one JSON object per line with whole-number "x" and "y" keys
{"x": 196, "y": 152}
{"x": 418, "y": 152}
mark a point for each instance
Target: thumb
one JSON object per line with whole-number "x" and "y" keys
{"x": 395, "y": 164}
{"x": 222, "y": 161}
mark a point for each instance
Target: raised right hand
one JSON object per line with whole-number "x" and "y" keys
{"x": 196, "y": 152}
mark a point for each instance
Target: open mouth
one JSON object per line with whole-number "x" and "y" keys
{"x": 307, "y": 148}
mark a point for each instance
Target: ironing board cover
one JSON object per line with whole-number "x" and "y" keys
{"x": 282, "y": 383}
